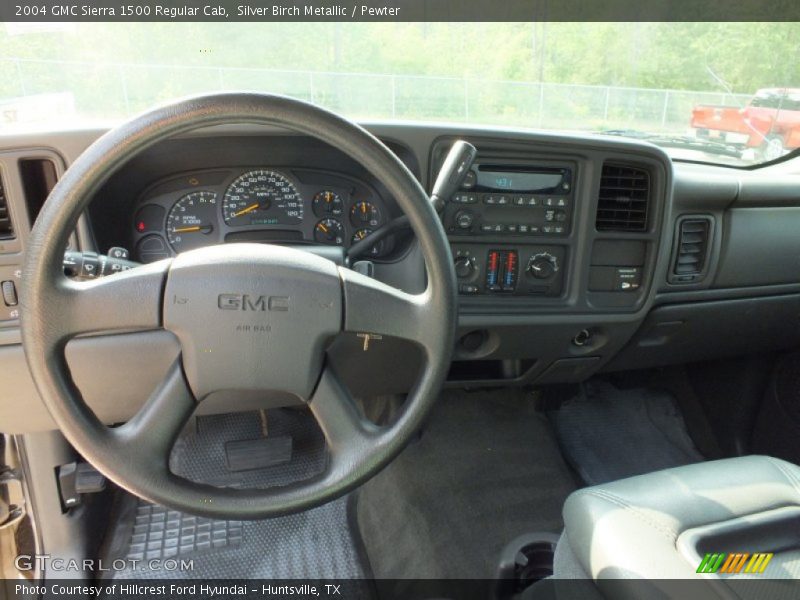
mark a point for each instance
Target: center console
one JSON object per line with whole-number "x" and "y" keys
{"x": 521, "y": 203}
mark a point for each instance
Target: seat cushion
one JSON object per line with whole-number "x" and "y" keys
{"x": 633, "y": 528}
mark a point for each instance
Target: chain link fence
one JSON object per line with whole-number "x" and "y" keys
{"x": 50, "y": 90}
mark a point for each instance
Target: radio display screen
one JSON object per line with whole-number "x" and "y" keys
{"x": 532, "y": 181}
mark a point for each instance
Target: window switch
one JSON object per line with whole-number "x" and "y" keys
{"x": 10, "y": 293}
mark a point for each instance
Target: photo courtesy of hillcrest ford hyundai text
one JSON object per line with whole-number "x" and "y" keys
{"x": 399, "y": 300}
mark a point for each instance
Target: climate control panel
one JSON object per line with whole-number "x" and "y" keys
{"x": 518, "y": 270}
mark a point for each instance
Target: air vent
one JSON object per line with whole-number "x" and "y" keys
{"x": 690, "y": 258}
{"x": 6, "y": 226}
{"x": 624, "y": 196}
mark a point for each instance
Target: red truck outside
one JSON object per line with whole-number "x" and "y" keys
{"x": 770, "y": 122}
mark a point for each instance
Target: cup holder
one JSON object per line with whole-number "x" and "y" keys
{"x": 523, "y": 562}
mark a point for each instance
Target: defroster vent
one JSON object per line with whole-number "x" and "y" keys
{"x": 624, "y": 199}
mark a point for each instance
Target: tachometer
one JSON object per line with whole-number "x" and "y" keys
{"x": 262, "y": 197}
{"x": 191, "y": 220}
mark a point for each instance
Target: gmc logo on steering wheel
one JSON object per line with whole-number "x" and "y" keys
{"x": 246, "y": 302}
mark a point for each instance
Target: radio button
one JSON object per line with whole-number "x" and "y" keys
{"x": 464, "y": 219}
{"x": 533, "y": 201}
{"x": 486, "y": 228}
{"x": 562, "y": 202}
{"x": 523, "y": 228}
{"x": 502, "y": 199}
{"x": 549, "y": 202}
{"x": 520, "y": 200}
{"x": 549, "y": 215}
{"x": 511, "y": 228}
{"x": 489, "y": 199}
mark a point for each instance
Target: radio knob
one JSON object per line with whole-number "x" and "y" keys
{"x": 464, "y": 266}
{"x": 464, "y": 219}
{"x": 542, "y": 266}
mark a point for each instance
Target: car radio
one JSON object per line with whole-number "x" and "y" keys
{"x": 512, "y": 200}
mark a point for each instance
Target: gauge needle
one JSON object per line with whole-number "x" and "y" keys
{"x": 244, "y": 211}
{"x": 321, "y": 226}
{"x": 186, "y": 229}
{"x": 363, "y": 208}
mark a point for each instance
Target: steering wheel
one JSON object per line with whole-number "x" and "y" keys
{"x": 247, "y": 316}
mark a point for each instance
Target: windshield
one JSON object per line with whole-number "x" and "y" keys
{"x": 715, "y": 92}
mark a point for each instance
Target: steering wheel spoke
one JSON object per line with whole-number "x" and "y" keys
{"x": 130, "y": 300}
{"x": 346, "y": 432}
{"x": 373, "y": 308}
{"x": 152, "y": 432}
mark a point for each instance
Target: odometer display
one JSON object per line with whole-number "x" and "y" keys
{"x": 262, "y": 197}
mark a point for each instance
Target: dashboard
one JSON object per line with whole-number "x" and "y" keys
{"x": 255, "y": 204}
{"x": 574, "y": 254}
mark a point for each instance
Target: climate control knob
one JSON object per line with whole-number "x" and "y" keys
{"x": 543, "y": 265}
{"x": 464, "y": 219}
{"x": 464, "y": 266}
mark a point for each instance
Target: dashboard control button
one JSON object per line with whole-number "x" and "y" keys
{"x": 533, "y": 201}
{"x": 464, "y": 219}
{"x": 523, "y": 229}
{"x": 470, "y": 179}
{"x": 465, "y": 267}
{"x": 489, "y": 199}
{"x": 468, "y": 288}
{"x": 512, "y": 228}
{"x": 10, "y": 293}
{"x": 542, "y": 265}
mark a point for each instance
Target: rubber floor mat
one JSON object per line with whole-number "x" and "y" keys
{"x": 318, "y": 543}
{"x": 607, "y": 434}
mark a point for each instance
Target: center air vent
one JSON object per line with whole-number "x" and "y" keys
{"x": 6, "y": 227}
{"x": 623, "y": 199}
{"x": 692, "y": 250}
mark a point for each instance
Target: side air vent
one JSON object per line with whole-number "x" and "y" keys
{"x": 39, "y": 177}
{"x": 6, "y": 226}
{"x": 623, "y": 200}
{"x": 693, "y": 236}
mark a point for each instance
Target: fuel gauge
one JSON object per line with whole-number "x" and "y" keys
{"x": 329, "y": 231}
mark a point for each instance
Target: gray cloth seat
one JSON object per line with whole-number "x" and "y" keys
{"x": 660, "y": 525}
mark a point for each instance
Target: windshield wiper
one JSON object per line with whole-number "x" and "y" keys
{"x": 677, "y": 141}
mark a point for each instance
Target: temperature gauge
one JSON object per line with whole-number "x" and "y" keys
{"x": 359, "y": 235}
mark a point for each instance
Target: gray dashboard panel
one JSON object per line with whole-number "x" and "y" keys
{"x": 538, "y": 335}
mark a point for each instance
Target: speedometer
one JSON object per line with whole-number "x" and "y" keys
{"x": 262, "y": 197}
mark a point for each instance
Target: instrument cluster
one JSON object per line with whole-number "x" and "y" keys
{"x": 269, "y": 205}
